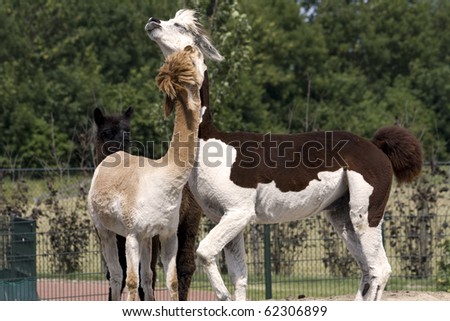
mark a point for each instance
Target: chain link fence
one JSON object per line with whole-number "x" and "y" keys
{"x": 305, "y": 258}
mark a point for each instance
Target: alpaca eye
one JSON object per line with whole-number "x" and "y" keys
{"x": 183, "y": 28}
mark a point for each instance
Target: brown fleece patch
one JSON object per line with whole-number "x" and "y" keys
{"x": 177, "y": 72}
{"x": 292, "y": 161}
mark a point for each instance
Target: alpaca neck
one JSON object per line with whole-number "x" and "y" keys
{"x": 207, "y": 126}
{"x": 101, "y": 151}
{"x": 180, "y": 156}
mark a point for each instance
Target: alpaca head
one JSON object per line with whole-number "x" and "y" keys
{"x": 182, "y": 71}
{"x": 181, "y": 31}
{"x": 113, "y": 132}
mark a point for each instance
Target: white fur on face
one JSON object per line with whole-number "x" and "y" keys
{"x": 187, "y": 18}
{"x": 174, "y": 34}
{"x": 181, "y": 31}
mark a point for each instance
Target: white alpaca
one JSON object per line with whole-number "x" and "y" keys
{"x": 138, "y": 197}
{"x": 270, "y": 179}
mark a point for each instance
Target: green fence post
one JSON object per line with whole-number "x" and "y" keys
{"x": 267, "y": 265}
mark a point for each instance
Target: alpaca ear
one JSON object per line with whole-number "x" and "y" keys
{"x": 169, "y": 105}
{"x": 98, "y": 117}
{"x": 129, "y": 112}
{"x": 207, "y": 49}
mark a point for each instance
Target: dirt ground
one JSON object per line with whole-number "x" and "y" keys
{"x": 395, "y": 296}
{"x": 62, "y": 290}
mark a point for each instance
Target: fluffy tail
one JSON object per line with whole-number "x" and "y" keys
{"x": 403, "y": 149}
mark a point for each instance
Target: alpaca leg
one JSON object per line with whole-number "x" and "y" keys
{"x": 132, "y": 248}
{"x": 373, "y": 258}
{"x": 146, "y": 274}
{"x": 185, "y": 269}
{"x": 155, "y": 255}
{"x": 169, "y": 247}
{"x": 187, "y": 233}
{"x": 229, "y": 227}
{"x": 141, "y": 293}
{"x": 237, "y": 267}
{"x": 110, "y": 254}
{"x": 122, "y": 258}
{"x": 123, "y": 263}
{"x": 379, "y": 270}
{"x": 340, "y": 219}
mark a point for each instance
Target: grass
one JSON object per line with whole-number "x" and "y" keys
{"x": 403, "y": 284}
{"x": 291, "y": 287}
{"x": 283, "y": 287}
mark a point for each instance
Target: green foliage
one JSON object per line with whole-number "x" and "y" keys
{"x": 336, "y": 259}
{"x": 68, "y": 221}
{"x": 290, "y": 66}
{"x": 415, "y": 232}
{"x": 288, "y": 241}
{"x": 14, "y": 200}
{"x": 235, "y": 109}
{"x": 70, "y": 246}
{"x": 443, "y": 278}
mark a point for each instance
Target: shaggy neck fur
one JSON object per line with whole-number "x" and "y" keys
{"x": 182, "y": 89}
{"x": 180, "y": 156}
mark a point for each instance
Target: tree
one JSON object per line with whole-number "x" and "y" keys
{"x": 290, "y": 66}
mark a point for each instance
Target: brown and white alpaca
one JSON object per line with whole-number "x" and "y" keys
{"x": 139, "y": 198}
{"x": 269, "y": 179}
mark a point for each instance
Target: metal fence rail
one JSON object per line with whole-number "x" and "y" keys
{"x": 290, "y": 260}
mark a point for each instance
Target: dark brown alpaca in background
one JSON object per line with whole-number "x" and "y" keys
{"x": 113, "y": 134}
{"x": 190, "y": 215}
